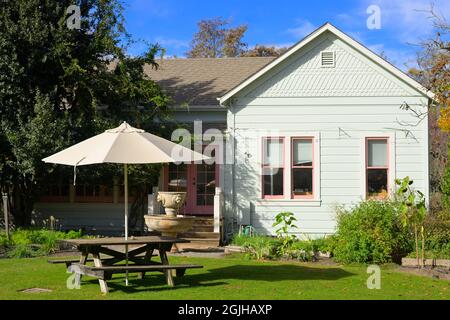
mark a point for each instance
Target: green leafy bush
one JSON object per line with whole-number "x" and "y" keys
{"x": 324, "y": 244}
{"x": 26, "y": 243}
{"x": 371, "y": 232}
{"x": 284, "y": 221}
{"x": 3, "y": 239}
{"x": 266, "y": 247}
{"x": 437, "y": 240}
{"x": 257, "y": 247}
{"x": 445, "y": 187}
{"x": 301, "y": 250}
{"x": 22, "y": 251}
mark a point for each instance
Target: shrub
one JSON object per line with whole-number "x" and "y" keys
{"x": 325, "y": 244}
{"x": 437, "y": 240}
{"x": 33, "y": 242}
{"x": 22, "y": 251}
{"x": 21, "y": 237}
{"x": 240, "y": 239}
{"x": 371, "y": 232}
{"x": 445, "y": 188}
{"x": 266, "y": 247}
{"x": 257, "y": 247}
{"x": 3, "y": 239}
{"x": 284, "y": 221}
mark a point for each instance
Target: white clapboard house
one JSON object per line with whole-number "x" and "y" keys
{"x": 321, "y": 125}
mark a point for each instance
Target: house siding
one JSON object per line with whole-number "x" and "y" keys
{"x": 341, "y": 154}
{"x": 344, "y": 105}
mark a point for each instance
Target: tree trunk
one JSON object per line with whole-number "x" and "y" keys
{"x": 138, "y": 209}
{"x": 22, "y": 204}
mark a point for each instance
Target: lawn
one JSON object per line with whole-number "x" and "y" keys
{"x": 228, "y": 278}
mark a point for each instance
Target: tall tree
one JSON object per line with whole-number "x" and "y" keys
{"x": 264, "y": 51}
{"x": 215, "y": 38}
{"x": 54, "y": 84}
{"x": 434, "y": 67}
{"x": 433, "y": 72}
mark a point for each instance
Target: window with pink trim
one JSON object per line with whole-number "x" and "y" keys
{"x": 273, "y": 168}
{"x": 302, "y": 166}
{"x": 377, "y": 167}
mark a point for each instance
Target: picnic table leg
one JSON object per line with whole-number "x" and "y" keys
{"x": 147, "y": 258}
{"x": 102, "y": 282}
{"x": 83, "y": 260}
{"x": 168, "y": 272}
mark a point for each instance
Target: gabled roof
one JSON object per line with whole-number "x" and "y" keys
{"x": 355, "y": 44}
{"x": 199, "y": 81}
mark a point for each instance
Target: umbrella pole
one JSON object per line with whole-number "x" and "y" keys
{"x": 126, "y": 218}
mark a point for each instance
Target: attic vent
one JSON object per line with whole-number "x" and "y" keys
{"x": 328, "y": 59}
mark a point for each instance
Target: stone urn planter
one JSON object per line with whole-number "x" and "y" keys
{"x": 170, "y": 224}
{"x": 171, "y": 201}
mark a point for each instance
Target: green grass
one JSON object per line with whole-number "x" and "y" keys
{"x": 229, "y": 278}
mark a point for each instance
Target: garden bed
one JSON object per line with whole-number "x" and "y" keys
{"x": 427, "y": 271}
{"x": 432, "y": 263}
{"x": 27, "y": 243}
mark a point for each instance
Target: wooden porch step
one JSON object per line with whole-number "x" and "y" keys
{"x": 198, "y": 242}
{"x": 201, "y": 221}
{"x": 202, "y": 229}
{"x": 203, "y": 224}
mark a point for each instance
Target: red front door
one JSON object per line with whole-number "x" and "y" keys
{"x": 199, "y": 181}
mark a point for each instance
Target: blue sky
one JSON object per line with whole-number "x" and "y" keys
{"x": 172, "y": 23}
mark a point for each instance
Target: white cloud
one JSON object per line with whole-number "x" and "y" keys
{"x": 303, "y": 28}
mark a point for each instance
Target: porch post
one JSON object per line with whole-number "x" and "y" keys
{"x": 218, "y": 209}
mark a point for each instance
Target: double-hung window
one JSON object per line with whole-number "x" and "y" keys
{"x": 377, "y": 167}
{"x": 302, "y": 166}
{"x": 273, "y": 168}
{"x": 289, "y": 170}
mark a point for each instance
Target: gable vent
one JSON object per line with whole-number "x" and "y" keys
{"x": 328, "y": 59}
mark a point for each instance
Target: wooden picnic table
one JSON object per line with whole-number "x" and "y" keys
{"x": 104, "y": 268}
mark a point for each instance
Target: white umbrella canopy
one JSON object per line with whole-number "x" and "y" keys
{"x": 127, "y": 145}
{"x": 124, "y": 144}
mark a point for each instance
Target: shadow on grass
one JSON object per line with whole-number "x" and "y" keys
{"x": 219, "y": 276}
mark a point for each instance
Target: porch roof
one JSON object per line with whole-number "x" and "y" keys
{"x": 200, "y": 81}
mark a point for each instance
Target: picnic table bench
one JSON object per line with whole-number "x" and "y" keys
{"x": 141, "y": 257}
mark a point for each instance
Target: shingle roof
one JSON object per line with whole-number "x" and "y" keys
{"x": 200, "y": 81}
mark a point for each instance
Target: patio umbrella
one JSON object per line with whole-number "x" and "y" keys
{"x": 125, "y": 145}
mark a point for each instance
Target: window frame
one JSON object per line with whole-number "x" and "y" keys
{"x": 387, "y": 167}
{"x": 264, "y": 166}
{"x": 292, "y": 167}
